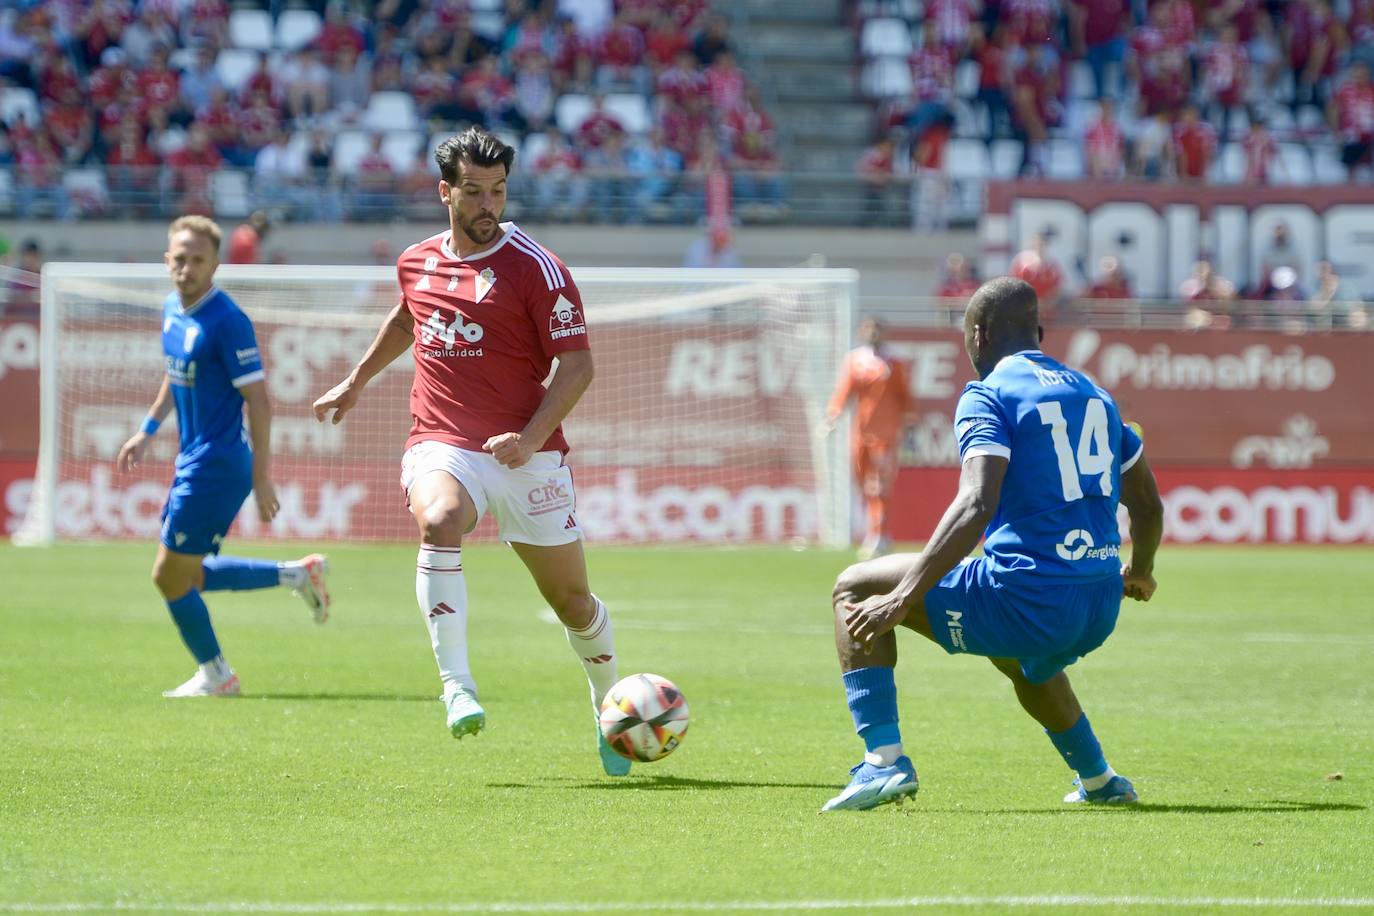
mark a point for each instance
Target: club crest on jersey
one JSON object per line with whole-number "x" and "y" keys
{"x": 566, "y": 320}
{"x": 485, "y": 281}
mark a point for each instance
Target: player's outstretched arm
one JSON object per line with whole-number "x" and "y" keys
{"x": 1140, "y": 496}
{"x": 394, "y": 337}
{"x": 131, "y": 453}
{"x": 958, "y": 532}
{"x": 260, "y": 429}
{"x": 570, "y": 380}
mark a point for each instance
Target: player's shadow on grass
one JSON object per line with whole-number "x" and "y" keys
{"x": 655, "y": 783}
{"x": 351, "y": 697}
{"x": 1277, "y": 806}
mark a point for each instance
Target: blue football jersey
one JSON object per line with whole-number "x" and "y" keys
{"x": 211, "y": 351}
{"x": 1067, "y": 446}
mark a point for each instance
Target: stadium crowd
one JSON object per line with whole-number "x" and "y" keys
{"x": 1252, "y": 91}
{"x": 155, "y": 107}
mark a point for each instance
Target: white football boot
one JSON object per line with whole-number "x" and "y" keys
{"x": 465, "y": 715}
{"x": 314, "y": 591}
{"x": 205, "y": 684}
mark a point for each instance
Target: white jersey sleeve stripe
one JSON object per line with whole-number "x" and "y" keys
{"x": 538, "y": 251}
{"x": 543, "y": 268}
{"x": 546, "y": 263}
{"x": 990, "y": 449}
{"x": 249, "y": 378}
{"x": 1130, "y": 462}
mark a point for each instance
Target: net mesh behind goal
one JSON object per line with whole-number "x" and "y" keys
{"x": 700, "y": 426}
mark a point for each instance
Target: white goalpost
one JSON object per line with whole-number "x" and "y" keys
{"x": 701, "y": 426}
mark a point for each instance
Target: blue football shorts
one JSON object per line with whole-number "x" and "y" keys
{"x": 1046, "y": 628}
{"x": 200, "y": 510}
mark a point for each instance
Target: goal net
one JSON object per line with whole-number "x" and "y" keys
{"x": 701, "y": 425}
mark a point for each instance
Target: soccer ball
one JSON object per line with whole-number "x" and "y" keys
{"x": 644, "y": 717}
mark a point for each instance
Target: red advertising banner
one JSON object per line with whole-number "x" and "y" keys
{"x": 1201, "y": 505}
{"x": 18, "y": 390}
{"x": 1234, "y": 399}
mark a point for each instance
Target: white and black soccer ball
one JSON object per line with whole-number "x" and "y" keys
{"x": 643, "y": 717}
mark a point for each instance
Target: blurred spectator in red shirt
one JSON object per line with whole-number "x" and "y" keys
{"x": 958, "y": 281}
{"x": 1313, "y": 37}
{"x": 1031, "y": 22}
{"x": 38, "y": 177}
{"x": 620, "y": 57}
{"x": 1112, "y": 282}
{"x": 726, "y": 82}
{"x": 1097, "y": 33}
{"x": 1351, "y": 114}
{"x": 1104, "y": 147}
{"x": 1036, "y": 106}
{"x": 338, "y": 33}
{"x": 374, "y": 185}
{"x": 131, "y": 171}
{"x": 1225, "y": 76}
{"x": 560, "y": 189}
{"x": 160, "y": 86}
{"x": 663, "y": 42}
{"x": 191, "y": 167}
{"x": 1195, "y": 142}
{"x": 598, "y": 125}
{"x": 1261, "y": 153}
{"x": 1036, "y": 267}
{"x": 951, "y": 24}
{"x": 72, "y": 128}
{"x": 877, "y": 171}
{"x": 1206, "y": 285}
{"x": 245, "y": 242}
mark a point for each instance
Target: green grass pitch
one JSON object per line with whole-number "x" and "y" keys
{"x": 1232, "y": 700}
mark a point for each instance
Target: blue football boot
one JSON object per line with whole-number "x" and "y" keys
{"x": 1117, "y": 791}
{"x": 871, "y": 786}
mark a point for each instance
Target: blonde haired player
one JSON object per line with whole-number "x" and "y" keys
{"x": 213, "y": 371}
{"x": 486, "y": 311}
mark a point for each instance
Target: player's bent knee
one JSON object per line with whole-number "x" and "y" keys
{"x": 442, "y": 524}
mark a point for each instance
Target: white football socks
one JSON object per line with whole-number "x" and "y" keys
{"x": 216, "y": 670}
{"x": 442, "y": 593}
{"x": 291, "y": 574}
{"x": 595, "y": 648}
{"x": 1093, "y": 783}
{"x": 884, "y": 756}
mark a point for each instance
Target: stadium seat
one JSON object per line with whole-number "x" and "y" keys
{"x": 87, "y": 189}
{"x": 1297, "y": 164}
{"x": 1006, "y": 158}
{"x": 387, "y": 111}
{"x": 251, "y": 29}
{"x": 885, "y": 38}
{"x": 1229, "y": 167}
{"x": 182, "y": 58}
{"x": 6, "y": 192}
{"x": 1311, "y": 121}
{"x": 16, "y": 103}
{"x": 1326, "y": 164}
{"x": 967, "y": 160}
{"x": 1064, "y": 160}
{"x": 297, "y": 28}
{"x": 401, "y": 147}
{"x": 172, "y": 139}
{"x": 350, "y": 146}
{"x": 887, "y": 78}
{"x": 966, "y": 78}
{"x": 490, "y": 24}
{"x": 234, "y": 66}
{"x": 969, "y": 121}
{"x": 229, "y": 190}
{"x": 570, "y": 111}
{"x": 533, "y": 148}
{"x": 1281, "y": 123}
{"x": 630, "y": 110}
{"x": 485, "y": 6}
{"x": 1081, "y": 85}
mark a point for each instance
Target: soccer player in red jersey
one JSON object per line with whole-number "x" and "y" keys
{"x": 486, "y": 310}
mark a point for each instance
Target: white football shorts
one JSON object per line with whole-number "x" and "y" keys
{"x": 532, "y": 504}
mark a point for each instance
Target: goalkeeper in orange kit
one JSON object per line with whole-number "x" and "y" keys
{"x": 879, "y": 385}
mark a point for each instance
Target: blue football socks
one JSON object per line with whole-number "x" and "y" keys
{"x": 872, "y": 697}
{"x": 1079, "y": 748}
{"x": 193, "y": 620}
{"x": 239, "y": 574}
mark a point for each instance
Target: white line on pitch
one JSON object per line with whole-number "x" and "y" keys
{"x": 1051, "y": 900}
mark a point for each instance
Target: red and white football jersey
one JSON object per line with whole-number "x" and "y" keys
{"x": 487, "y": 328}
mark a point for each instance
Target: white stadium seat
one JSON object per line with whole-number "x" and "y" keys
{"x": 229, "y": 190}
{"x": 885, "y": 38}
{"x": 1006, "y": 158}
{"x": 1297, "y": 164}
{"x": 1064, "y": 160}
{"x": 234, "y": 66}
{"x": 967, "y": 160}
{"x": 1081, "y": 85}
{"x": 86, "y": 185}
{"x": 16, "y": 103}
{"x": 401, "y": 147}
{"x": 570, "y": 111}
{"x": 489, "y": 24}
{"x": 887, "y": 78}
{"x": 388, "y": 111}
{"x": 251, "y": 29}
{"x": 1326, "y": 164}
{"x": 966, "y": 78}
{"x": 630, "y": 110}
{"x": 297, "y": 28}
{"x": 533, "y": 148}
{"x": 1229, "y": 167}
{"x": 350, "y": 146}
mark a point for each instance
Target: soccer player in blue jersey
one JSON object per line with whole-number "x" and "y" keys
{"x": 213, "y": 371}
{"x": 1046, "y": 459}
